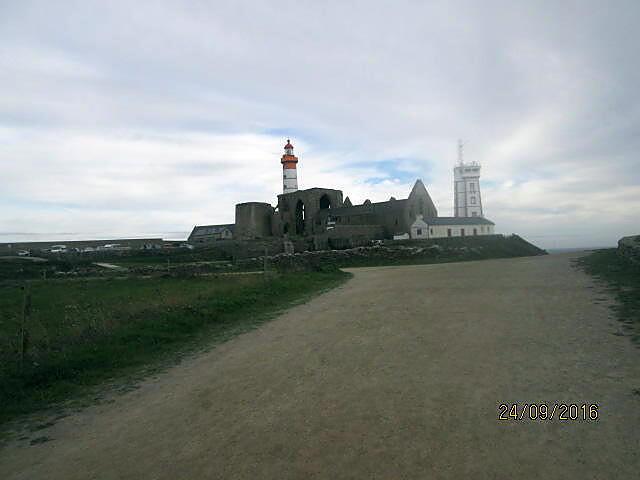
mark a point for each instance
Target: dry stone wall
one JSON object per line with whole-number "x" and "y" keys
{"x": 629, "y": 248}
{"x": 496, "y": 246}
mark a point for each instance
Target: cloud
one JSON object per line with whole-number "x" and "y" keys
{"x": 123, "y": 121}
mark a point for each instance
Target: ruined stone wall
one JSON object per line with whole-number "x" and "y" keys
{"x": 349, "y": 236}
{"x": 311, "y": 199}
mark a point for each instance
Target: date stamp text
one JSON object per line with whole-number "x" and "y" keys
{"x": 548, "y": 411}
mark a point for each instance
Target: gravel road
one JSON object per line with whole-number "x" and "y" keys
{"x": 396, "y": 374}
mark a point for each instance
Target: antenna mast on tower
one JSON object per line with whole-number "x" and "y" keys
{"x": 460, "y": 152}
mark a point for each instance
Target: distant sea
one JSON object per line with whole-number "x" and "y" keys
{"x": 573, "y": 249}
{"x": 19, "y": 237}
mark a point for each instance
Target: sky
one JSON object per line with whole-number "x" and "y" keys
{"x": 137, "y": 119}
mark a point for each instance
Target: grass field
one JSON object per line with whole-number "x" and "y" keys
{"x": 624, "y": 280}
{"x": 82, "y": 332}
{"x": 136, "y": 258}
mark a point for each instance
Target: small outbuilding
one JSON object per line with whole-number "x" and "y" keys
{"x": 211, "y": 233}
{"x": 419, "y": 228}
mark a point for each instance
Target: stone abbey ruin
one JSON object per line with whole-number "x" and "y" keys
{"x": 320, "y": 218}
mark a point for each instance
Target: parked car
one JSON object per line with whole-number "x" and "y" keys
{"x": 109, "y": 246}
{"x": 24, "y": 253}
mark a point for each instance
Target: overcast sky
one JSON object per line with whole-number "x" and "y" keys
{"x": 146, "y": 118}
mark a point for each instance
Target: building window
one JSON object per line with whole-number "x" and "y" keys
{"x": 462, "y": 232}
{"x": 419, "y": 231}
{"x": 325, "y": 202}
{"x": 475, "y": 231}
{"x": 431, "y": 231}
{"x": 473, "y": 200}
{"x": 448, "y": 232}
{"x": 472, "y": 187}
{"x": 474, "y": 214}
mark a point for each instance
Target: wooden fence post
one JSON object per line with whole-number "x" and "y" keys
{"x": 24, "y": 332}
{"x": 265, "y": 261}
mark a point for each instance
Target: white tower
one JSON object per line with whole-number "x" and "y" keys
{"x": 289, "y": 172}
{"x": 466, "y": 188}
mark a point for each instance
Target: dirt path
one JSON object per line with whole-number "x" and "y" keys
{"x": 397, "y": 374}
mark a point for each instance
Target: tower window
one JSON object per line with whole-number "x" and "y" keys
{"x": 473, "y": 200}
{"x": 472, "y": 187}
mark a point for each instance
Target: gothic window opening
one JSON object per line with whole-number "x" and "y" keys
{"x": 325, "y": 202}
{"x": 300, "y": 218}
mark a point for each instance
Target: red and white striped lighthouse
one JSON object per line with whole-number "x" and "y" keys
{"x": 289, "y": 173}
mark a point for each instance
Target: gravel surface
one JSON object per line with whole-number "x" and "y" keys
{"x": 396, "y": 374}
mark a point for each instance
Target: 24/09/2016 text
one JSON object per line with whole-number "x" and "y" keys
{"x": 544, "y": 411}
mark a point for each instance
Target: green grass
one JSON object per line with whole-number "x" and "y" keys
{"x": 83, "y": 332}
{"x": 160, "y": 257}
{"x": 624, "y": 280}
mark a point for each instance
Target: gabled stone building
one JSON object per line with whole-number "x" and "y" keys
{"x": 393, "y": 216}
